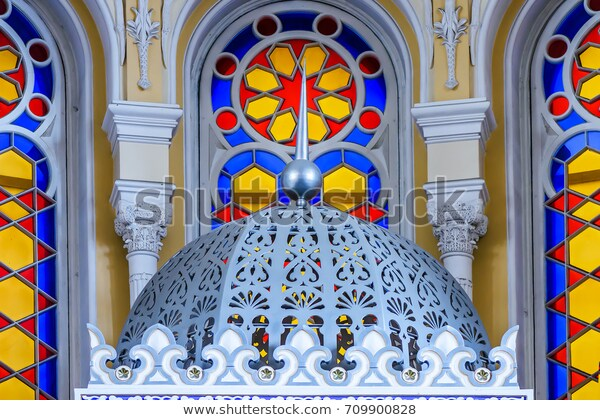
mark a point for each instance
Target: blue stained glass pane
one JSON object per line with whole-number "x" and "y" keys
{"x": 593, "y": 140}
{"x": 44, "y": 81}
{"x": 269, "y": 161}
{"x": 238, "y": 162}
{"x": 284, "y": 199}
{"x": 22, "y": 25}
{"x": 375, "y": 92}
{"x": 555, "y": 228}
{"x": 555, "y": 279}
{"x": 216, "y": 224}
{"x": 4, "y": 141}
{"x": 557, "y": 330}
{"x": 47, "y": 327}
{"x": 553, "y": 78}
{"x": 42, "y": 176}
{"x": 329, "y": 161}
{"x": 27, "y": 122}
{"x": 352, "y": 41}
{"x": 383, "y": 223}
{"x": 374, "y": 188}
{"x": 242, "y": 43}
{"x": 48, "y": 377}
{"x": 46, "y": 276}
{"x": 358, "y": 161}
{"x": 358, "y": 137}
{"x": 573, "y": 22}
{"x": 237, "y": 138}
{"x": 557, "y": 173}
{"x": 296, "y": 21}
{"x": 26, "y": 146}
{"x": 224, "y": 185}
{"x": 221, "y": 93}
{"x": 557, "y": 380}
{"x": 571, "y": 147}
{"x": 571, "y": 120}
{"x": 45, "y": 227}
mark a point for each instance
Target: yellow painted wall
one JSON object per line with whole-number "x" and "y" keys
{"x": 490, "y": 270}
{"x": 112, "y": 288}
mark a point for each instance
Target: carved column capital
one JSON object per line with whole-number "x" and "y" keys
{"x": 141, "y": 226}
{"x": 458, "y": 226}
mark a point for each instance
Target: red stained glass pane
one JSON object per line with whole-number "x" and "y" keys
{"x": 370, "y": 120}
{"x": 575, "y": 328}
{"x": 239, "y": 213}
{"x": 29, "y": 275}
{"x": 574, "y": 277}
{"x": 3, "y": 271}
{"x": 574, "y": 225}
{"x": 29, "y": 325}
{"x": 3, "y": 196}
{"x": 43, "y": 303}
{"x": 559, "y": 106}
{"x": 594, "y": 5}
{"x": 377, "y": 213}
{"x": 38, "y": 107}
{"x": 561, "y": 355}
{"x": 4, "y": 373}
{"x": 3, "y": 7}
{"x": 3, "y": 221}
{"x": 369, "y": 64}
{"x": 44, "y": 352}
{"x": 558, "y": 203}
{"x": 4, "y": 322}
{"x": 27, "y": 199}
{"x": 576, "y": 379}
{"x": 43, "y": 252}
{"x": 327, "y": 26}
{"x": 39, "y": 51}
{"x": 226, "y": 120}
{"x": 266, "y": 26}
{"x": 43, "y": 201}
{"x": 573, "y": 200}
{"x": 360, "y": 212}
{"x": 560, "y": 305}
{"x": 558, "y": 254}
{"x": 28, "y": 224}
{"x": 557, "y": 47}
{"x": 30, "y": 375}
{"x": 226, "y": 65}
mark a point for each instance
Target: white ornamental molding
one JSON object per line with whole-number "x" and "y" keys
{"x": 142, "y": 29}
{"x": 158, "y": 367}
{"x": 166, "y": 29}
{"x": 450, "y": 29}
{"x": 120, "y": 30}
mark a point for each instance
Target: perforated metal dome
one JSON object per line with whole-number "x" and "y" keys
{"x": 317, "y": 266}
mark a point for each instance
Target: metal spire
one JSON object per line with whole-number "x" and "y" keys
{"x": 301, "y": 179}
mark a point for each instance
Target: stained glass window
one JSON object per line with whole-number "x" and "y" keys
{"x": 28, "y": 243}
{"x": 571, "y": 83}
{"x": 255, "y": 76}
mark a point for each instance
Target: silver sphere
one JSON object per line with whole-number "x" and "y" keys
{"x": 301, "y": 180}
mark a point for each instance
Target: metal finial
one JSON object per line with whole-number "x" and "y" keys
{"x": 301, "y": 179}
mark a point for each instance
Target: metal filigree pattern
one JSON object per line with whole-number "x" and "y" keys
{"x": 318, "y": 267}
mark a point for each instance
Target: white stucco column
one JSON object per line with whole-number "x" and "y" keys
{"x": 140, "y": 134}
{"x": 456, "y": 133}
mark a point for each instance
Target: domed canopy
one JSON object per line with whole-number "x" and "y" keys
{"x": 317, "y": 266}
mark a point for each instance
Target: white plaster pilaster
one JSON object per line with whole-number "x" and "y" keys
{"x": 140, "y": 134}
{"x": 457, "y": 193}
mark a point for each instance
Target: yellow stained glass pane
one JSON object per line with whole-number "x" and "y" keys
{"x": 261, "y": 80}
{"x": 16, "y": 248}
{"x": 254, "y": 189}
{"x": 334, "y": 79}
{"x": 14, "y": 389}
{"x": 585, "y": 352}
{"x": 9, "y": 59}
{"x": 584, "y": 172}
{"x": 314, "y": 56}
{"x": 584, "y": 301}
{"x": 589, "y": 211}
{"x": 16, "y": 173}
{"x": 334, "y": 107}
{"x": 344, "y": 188}
{"x": 317, "y": 128}
{"x": 583, "y": 250}
{"x": 9, "y": 90}
{"x": 590, "y": 88}
{"x": 282, "y": 59}
{"x": 260, "y": 108}
{"x": 13, "y": 210}
{"x": 17, "y": 351}
{"x": 283, "y": 126}
{"x": 590, "y": 58}
{"x": 17, "y": 300}
{"x": 590, "y": 391}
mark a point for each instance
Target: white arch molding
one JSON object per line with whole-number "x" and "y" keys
{"x": 222, "y": 15}
{"x": 76, "y": 271}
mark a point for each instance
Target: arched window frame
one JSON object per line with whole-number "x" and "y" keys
{"x": 530, "y": 145}
{"x": 217, "y": 20}
{"x": 76, "y": 271}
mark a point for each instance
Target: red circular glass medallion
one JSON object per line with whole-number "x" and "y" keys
{"x": 327, "y": 26}
{"x": 225, "y": 65}
{"x": 38, "y": 107}
{"x": 594, "y": 5}
{"x": 369, "y": 64}
{"x": 558, "y": 106}
{"x": 266, "y": 26}
{"x": 557, "y": 48}
{"x": 3, "y": 7}
{"x": 39, "y": 51}
{"x": 370, "y": 120}
{"x": 226, "y": 120}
